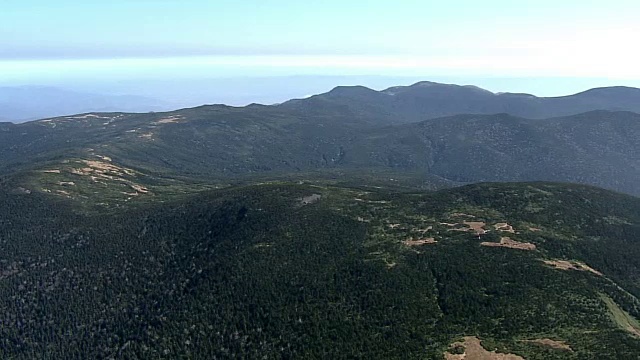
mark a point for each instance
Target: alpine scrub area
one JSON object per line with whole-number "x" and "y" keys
{"x": 319, "y": 270}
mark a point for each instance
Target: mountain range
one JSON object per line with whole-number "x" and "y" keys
{"x": 431, "y": 221}
{"x": 358, "y": 130}
{"x": 428, "y": 100}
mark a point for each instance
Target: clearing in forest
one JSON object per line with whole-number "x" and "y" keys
{"x": 504, "y": 227}
{"x": 476, "y": 226}
{"x": 417, "y": 242}
{"x": 473, "y": 350}
{"x": 571, "y": 265}
{"x": 555, "y": 344}
{"x": 169, "y": 120}
{"x": 621, "y": 317}
{"x": 507, "y": 242}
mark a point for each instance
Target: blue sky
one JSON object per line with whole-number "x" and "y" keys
{"x": 49, "y": 41}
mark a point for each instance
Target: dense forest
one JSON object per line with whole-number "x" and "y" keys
{"x": 316, "y": 270}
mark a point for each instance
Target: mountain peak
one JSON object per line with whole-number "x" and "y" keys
{"x": 426, "y": 84}
{"x": 611, "y": 91}
{"x": 351, "y": 90}
{"x": 433, "y": 86}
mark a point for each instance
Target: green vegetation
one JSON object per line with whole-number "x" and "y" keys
{"x": 345, "y": 132}
{"x": 325, "y": 228}
{"x": 252, "y": 271}
{"x": 621, "y": 317}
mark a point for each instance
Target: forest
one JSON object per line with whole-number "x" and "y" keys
{"x": 257, "y": 271}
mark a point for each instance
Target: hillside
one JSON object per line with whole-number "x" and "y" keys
{"x": 221, "y": 144}
{"x": 598, "y": 148}
{"x": 538, "y": 270}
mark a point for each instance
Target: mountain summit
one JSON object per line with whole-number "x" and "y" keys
{"x": 427, "y": 100}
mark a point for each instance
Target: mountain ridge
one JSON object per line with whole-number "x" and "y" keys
{"x": 428, "y": 100}
{"x": 349, "y": 130}
{"x": 597, "y": 147}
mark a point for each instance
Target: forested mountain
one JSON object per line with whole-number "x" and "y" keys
{"x": 598, "y": 148}
{"x": 220, "y": 142}
{"x": 428, "y": 100}
{"x": 539, "y": 270}
{"x": 326, "y": 228}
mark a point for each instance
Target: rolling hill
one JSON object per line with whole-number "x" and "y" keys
{"x": 538, "y": 270}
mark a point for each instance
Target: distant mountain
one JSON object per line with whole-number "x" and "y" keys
{"x": 18, "y": 104}
{"x": 428, "y": 100}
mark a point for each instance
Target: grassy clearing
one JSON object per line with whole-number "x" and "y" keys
{"x": 621, "y": 317}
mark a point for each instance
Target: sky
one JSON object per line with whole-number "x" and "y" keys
{"x": 67, "y": 42}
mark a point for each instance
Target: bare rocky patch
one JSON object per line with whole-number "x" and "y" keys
{"x": 507, "y": 242}
{"x": 473, "y": 350}
{"x": 555, "y": 344}
{"x": 418, "y": 242}
{"x": 504, "y": 227}
{"x": 462, "y": 215}
{"x": 571, "y": 265}
{"x": 101, "y": 169}
{"x": 311, "y": 199}
{"x": 476, "y": 227}
{"x": 139, "y": 188}
{"x": 146, "y": 136}
{"x": 169, "y": 120}
{"x": 88, "y": 116}
{"x": 97, "y": 171}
